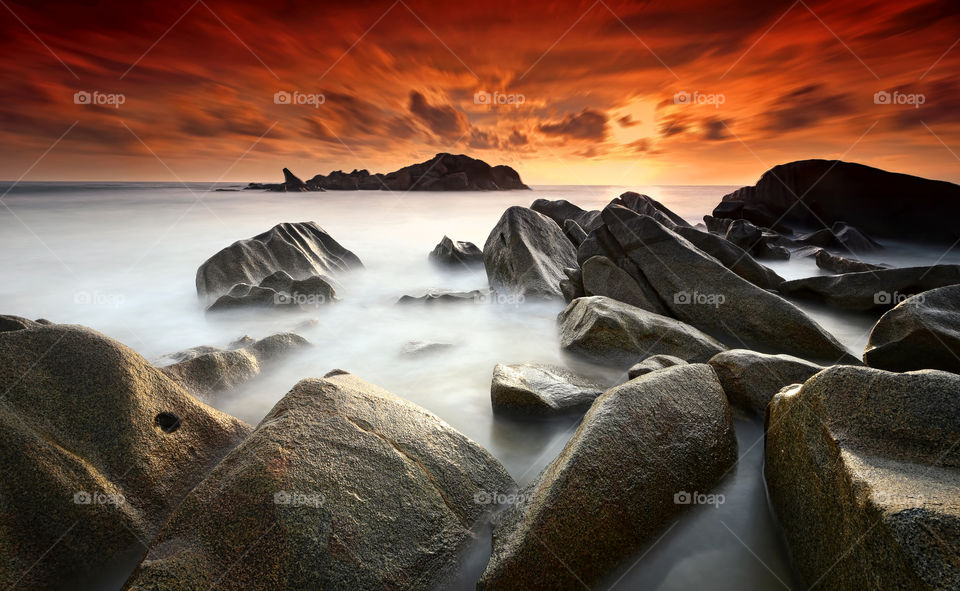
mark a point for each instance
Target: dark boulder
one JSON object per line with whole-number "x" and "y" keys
{"x": 839, "y": 265}
{"x": 301, "y": 250}
{"x": 880, "y": 203}
{"x": 922, "y": 332}
{"x": 561, "y": 210}
{"x": 456, "y": 254}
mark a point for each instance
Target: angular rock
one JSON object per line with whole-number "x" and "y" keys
{"x": 561, "y": 210}
{"x": 96, "y": 447}
{"x": 456, "y": 254}
{"x": 697, "y": 289}
{"x": 863, "y": 470}
{"x": 300, "y": 249}
{"x": 653, "y": 363}
{"x": 717, "y": 226}
{"x": 644, "y": 205}
{"x": 612, "y": 333}
{"x": 745, "y": 235}
{"x": 525, "y": 255}
{"x": 225, "y": 369}
{"x": 618, "y": 483}
{"x": 603, "y": 278}
{"x": 880, "y": 203}
{"x": 922, "y": 332}
{"x": 872, "y": 290}
{"x": 8, "y": 323}
{"x": 540, "y": 390}
{"x": 732, "y": 257}
{"x": 574, "y": 232}
{"x": 342, "y": 486}
{"x": 279, "y": 292}
{"x": 572, "y": 286}
{"x": 751, "y": 379}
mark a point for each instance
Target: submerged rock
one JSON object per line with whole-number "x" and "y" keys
{"x": 621, "y": 479}
{"x": 342, "y": 486}
{"x": 446, "y": 296}
{"x": 612, "y": 333}
{"x": 881, "y": 203}
{"x": 863, "y": 470}
{"x": 922, "y": 332}
{"x": 752, "y": 379}
{"x": 421, "y": 348}
{"x": 456, "y": 254}
{"x": 97, "y": 447}
{"x": 872, "y": 290}
{"x": 536, "y": 389}
{"x": 838, "y": 264}
{"x": 301, "y": 250}
{"x": 525, "y": 255}
{"x": 218, "y": 370}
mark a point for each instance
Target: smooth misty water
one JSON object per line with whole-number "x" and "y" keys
{"x": 121, "y": 258}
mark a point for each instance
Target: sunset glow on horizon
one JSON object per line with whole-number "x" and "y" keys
{"x": 614, "y": 93}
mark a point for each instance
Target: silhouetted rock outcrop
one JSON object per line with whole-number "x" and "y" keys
{"x": 878, "y": 202}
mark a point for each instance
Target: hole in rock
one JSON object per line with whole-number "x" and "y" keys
{"x": 167, "y": 421}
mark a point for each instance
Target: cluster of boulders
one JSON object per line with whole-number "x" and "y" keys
{"x": 668, "y": 332}
{"x": 443, "y": 172}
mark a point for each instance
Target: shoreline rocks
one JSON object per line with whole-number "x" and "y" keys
{"x": 301, "y": 250}
{"x": 921, "y": 332}
{"x": 343, "y": 485}
{"x": 878, "y": 202}
{"x": 540, "y": 390}
{"x": 750, "y": 379}
{"x": 863, "y": 471}
{"x": 525, "y": 255}
{"x": 618, "y": 482}
{"x": 97, "y": 447}
{"x": 615, "y": 334}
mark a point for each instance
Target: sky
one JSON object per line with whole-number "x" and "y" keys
{"x": 600, "y": 93}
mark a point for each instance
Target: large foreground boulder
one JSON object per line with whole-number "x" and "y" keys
{"x": 96, "y": 447}
{"x": 699, "y": 290}
{"x": 621, "y": 479}
{"x": 525, "y": 255}
{"x": 881, "y": 203}
{"x": 871, "y": 291}
{"x": 922, "y": 332}
{"x": 863, "y": 470}
{"x": 301, "y": 249}
{"x": 341, "y": 486}
{"x": 752, "y": 379}
{"x": 540, "y": 390}
{"x": 214, "y": 369}
{"x": 612, "y": 333}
